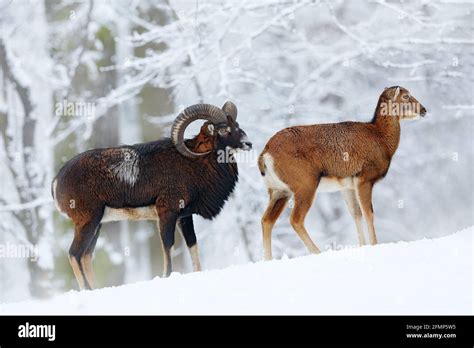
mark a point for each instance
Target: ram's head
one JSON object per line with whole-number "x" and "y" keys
{"x": 221, "y": 130}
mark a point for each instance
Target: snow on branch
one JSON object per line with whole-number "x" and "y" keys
{"x": 27, "y": 205}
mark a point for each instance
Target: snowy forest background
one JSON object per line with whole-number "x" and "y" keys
{"x": 135, "y": 64}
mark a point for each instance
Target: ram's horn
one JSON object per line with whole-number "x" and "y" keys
{"x": 190, "y": 114}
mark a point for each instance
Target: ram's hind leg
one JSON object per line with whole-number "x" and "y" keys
{"x": 80, "y": 253}
{"x": 87, "y": 259}
{"x": 167, "y": 227}
{"x": 278, "y": 201}
{"x": 303, "y": 199}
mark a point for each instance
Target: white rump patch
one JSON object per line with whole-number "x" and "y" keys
{"x": 127, "y": 170}
{"x": 271, "y": 178}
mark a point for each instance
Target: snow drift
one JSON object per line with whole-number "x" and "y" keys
{"x": 422, "y": 277}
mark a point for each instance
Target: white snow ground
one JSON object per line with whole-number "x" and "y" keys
{"x": 422, "y": 277}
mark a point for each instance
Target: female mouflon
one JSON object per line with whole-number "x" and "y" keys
{"x": 167, "y": 180}
{"x": 348, "y": 156}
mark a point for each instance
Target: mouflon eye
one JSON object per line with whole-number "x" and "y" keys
{"x": 223, "y": 131}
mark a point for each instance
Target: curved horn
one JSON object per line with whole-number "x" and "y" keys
{"x": 230, "y": 109}
{"x": 186, "y": 117}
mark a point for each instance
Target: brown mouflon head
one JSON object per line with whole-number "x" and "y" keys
{"x": 398, "y": 101}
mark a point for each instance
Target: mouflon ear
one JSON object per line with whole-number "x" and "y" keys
{"x": 230, "y": 109}
{"x": 396, "y": 93}
{"x": 231, "y": 121}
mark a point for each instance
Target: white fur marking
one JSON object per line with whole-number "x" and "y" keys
{"x": 397, "y": 92}
{"x": 119, "y": 214}
{"x": 332, "y": 184}
{"x": 55, "y": 197}
{"x": 55, "y": 185}
{"x": 195, "y": 258}
{"x": 210, "y": 129}
{"x": 127, "y": 168}
{"x": 271, "y": 178}
{"x": 245, "y": 140}
{"x": 193, "y": 251}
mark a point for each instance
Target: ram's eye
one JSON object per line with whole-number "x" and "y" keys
{"x": 223, "y": 131}
{"x": 406, "y": 96}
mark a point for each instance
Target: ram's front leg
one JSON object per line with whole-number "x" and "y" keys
{"x": 166, "y": 225}
{"x": 187, "y": 229}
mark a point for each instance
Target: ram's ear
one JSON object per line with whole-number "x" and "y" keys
{"x": 210, "y": 129}
{"x": 396, "y": 93}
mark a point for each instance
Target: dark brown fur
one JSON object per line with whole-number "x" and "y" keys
{"x": 174, "y": 186}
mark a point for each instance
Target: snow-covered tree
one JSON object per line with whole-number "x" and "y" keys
{"x": 26, "y": 159}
